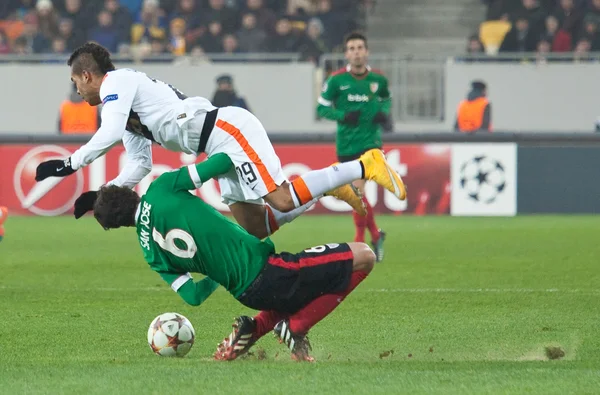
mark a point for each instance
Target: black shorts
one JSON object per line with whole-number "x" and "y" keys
{"x": 288, "y": 282}
{"x": 349, "y": 158}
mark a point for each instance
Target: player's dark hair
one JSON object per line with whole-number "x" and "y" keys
{"x": 355, "y": 36}
{"x": 115, "y": 207}
{"x": 91, "y": 57}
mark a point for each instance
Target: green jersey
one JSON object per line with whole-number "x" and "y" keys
{"x": 181, "y": 234}
{"x": 343, "y": 92}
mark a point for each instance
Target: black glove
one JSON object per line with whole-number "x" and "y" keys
{"x": 380, "y": 118}
{"x": 85, "y": 203}
{"x": 351, "y": 117}
{"x": 54, "y": 168}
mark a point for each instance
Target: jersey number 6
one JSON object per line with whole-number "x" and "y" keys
{"x": 168, "y": 242}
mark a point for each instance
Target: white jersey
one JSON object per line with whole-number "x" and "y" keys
{"x": 138, "y": 110}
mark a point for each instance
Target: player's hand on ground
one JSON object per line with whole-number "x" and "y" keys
{"x": 351, "y": 117}
{"x": 380, "y": 118}
{"x": 85, "y": 203}
{"x": 54, "y": 168}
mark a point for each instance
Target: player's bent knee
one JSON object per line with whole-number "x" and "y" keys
{"x": 364, "y": 257}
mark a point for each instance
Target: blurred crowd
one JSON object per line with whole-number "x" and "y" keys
{"x": 538, "y": 26}
{"x": 178, "y": 27}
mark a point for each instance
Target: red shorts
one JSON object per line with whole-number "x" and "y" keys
{"x": 288, "y": 282}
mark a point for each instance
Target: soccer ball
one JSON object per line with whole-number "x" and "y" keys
{"x": 171, "y": 335}
{"x": 483, "y": 179}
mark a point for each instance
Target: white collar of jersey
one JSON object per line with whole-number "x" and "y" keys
{"x": 349, "y": 68}
{"x": 137, "y": 212}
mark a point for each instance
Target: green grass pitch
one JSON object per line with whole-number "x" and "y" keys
{"x": 459, "y": 306}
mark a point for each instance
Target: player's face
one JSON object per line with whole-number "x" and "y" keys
{"x": 356, "y": 53}
{"x": 87, "y": 88}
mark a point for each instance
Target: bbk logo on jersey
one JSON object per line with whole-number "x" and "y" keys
{"x": 52, "y": 196}
{"x": 358, "y": 98}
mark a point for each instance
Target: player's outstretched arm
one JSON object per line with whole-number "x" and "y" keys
{"x": 193, "y": 293}
{"x": 193, "y": 176}
{"x": 138, "y": 165}
{"x": 110, "y": 133}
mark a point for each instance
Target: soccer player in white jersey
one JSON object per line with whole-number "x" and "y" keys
{"x": 139, "y": 110}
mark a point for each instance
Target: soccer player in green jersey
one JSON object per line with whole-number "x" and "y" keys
{"x": 180, "y": 234}
{"x": 358, "y": 98}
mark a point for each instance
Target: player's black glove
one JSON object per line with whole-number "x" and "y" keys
{"x": 380, "y": 118}
{"x": 85, "y": 203}
{"x": 351, "y": 117}
{"x": 54, "y": 168}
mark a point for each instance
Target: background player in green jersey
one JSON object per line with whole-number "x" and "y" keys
{"x": 358, "y": 98}
{"x": 180, "y": 234}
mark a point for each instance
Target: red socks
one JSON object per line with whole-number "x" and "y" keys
{"x": 266, "y": 321}
{"x": 362, "y": 223}
{"x": 319, "y": 308}
{"x": 373, "y": 229}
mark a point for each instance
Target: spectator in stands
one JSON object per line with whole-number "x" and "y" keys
{"x": 4, "y": 44}
{"x": 594, "y": 7}
{"x": 265, "y": 17}
{"x": 544, "y": 47}
{"x": 20, "y": 46}
{"x": 47, "y": 18}
{"x": 105, "y": 33}
{"x": 475, "y": 113}
{"x": 59, "y": 46}
{"x": 212, "y": 41}
{"x": 474, "y": 45}
{"x": 121, "y": 18}
{"x": 158, "y": 47}
{"x": 535, "y": 15}
{"x": 519, "y": 38}
{"x": 218, "y": 11}
{"x": 298, "y": 19}
{"x": 582, "y": 50}
{"x": 313, "y": 44}
{"x": 337, "y": 25}
{"x": 225, "y": 95}
{"x": 82, "y": 21}
{"x": 560, "y": 38}
{"x": 590, "y": 31}
{"x": 32, "y": 40}
{"x": 283, "y": 40}
{"x": 177, "y": 43}
{"x": 251, "y": 38}
{"x": 310, "y": 7}
{"x": 150, "y": 24}
{"x": 569, "y": 17}
{"x": 190, "y": 13}
{"x": 230, "y": 45}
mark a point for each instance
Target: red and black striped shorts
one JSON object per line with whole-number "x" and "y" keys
{"x": 289, "y": 282}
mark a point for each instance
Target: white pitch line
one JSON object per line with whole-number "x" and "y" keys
{"x": 485, "y": 290}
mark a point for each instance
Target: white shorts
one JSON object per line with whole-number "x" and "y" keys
{"x": 257, "y": 169}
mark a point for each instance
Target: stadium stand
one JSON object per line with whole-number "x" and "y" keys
{"x": 541, "y": 26}
{"x": 178, "y": 27}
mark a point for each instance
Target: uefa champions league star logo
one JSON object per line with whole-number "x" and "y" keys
{"x": 483, "y": 179}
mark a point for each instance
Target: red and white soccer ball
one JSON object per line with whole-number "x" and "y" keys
{"x": 171, "y": 335}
